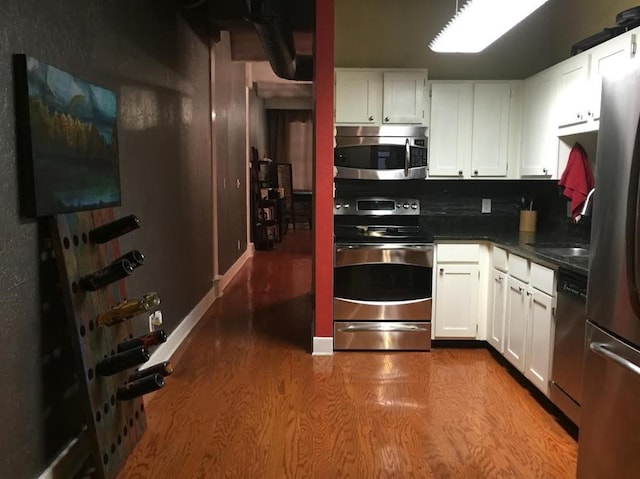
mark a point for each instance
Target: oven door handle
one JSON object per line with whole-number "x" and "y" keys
{"x": 407, "y": 157}
{"x": 390, "y": 327}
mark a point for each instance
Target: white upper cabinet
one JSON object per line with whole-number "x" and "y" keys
{"x": 451, "y": 129}
{"x": 581, "y": 83}
{"x": 404, "y": 97}
{"x": 474, "y": 128}
{"x": 490, "y": 137}
{"x": 573, "y": 107}
{"x": 358, "y": 97}
{"x": 539, "y": 135}
{"x": 379, "y": 97}
{"x": 608, "y": 58}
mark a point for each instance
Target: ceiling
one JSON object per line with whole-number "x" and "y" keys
{"x": 233, "y": 16}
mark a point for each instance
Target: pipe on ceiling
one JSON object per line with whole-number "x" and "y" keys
{"x": 270, "y": 20}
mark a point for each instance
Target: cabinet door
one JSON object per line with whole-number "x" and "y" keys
{"x": 539, "y": 136}
{"x": 404, "y": 97}
{"x": 358, "y": 97}
{"x": 516, "y": 322}
{"x": 497, "y": 311}
{"x": 450, "y": 135}
{"x": 490, "y": 138}
{"x": 539, "y": 340}
{"x": 607, "y": 59}
{"x": 574, "y": 91}
{"x": 456, "y": 309}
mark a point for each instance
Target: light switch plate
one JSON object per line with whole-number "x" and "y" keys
{"x": 486, "y": 205}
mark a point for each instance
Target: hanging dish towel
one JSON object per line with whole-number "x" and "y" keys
{"x": 577, "y": 179}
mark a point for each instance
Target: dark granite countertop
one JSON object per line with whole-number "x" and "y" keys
{"x": 524, "y": 244}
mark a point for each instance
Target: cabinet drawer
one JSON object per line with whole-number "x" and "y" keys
{"x": 542, "y": 278}
{"x": 458, "y": 253}
{"x": 519, "y": 268}
{"x": 500, "y": 259}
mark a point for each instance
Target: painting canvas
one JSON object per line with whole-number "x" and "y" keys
{"x": 68, "y": 140}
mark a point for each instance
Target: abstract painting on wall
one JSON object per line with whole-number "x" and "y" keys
{"x": 68, "y": 141}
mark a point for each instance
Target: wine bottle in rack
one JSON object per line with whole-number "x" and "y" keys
{"x": 112, "y": 230}
{"x": 165, "y": 368}
{"x": 147, "y": 340}
{"x": 128, "y": 309}
{"x": 112, "y": 273}
{"x": 139, "y": 387}
{"x": 121, "y": 361}
{"x": 135, "y": 257}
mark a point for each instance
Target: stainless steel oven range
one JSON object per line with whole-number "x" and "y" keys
{"x": 382, "y": 276}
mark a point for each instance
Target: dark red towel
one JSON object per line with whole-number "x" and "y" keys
{"x": 577, "y": 179}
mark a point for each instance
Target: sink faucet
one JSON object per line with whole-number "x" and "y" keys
{"x": 586, "y": 209}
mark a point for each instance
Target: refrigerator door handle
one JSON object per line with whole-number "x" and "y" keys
{"x": 601, "y": 350}
{"x": 632, "y": 244}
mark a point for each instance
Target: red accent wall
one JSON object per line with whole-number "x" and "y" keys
{"x": 323, "y": 167}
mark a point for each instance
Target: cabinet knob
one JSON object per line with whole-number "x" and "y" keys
{"x": 528, "y": 293}
{"x": 578, "y": 115}
{"x": 371, "y": 118}
{"x": 441, "y": 270}
{"x": 544, "y": 170}
{"x": 589, "y": 113}
{"x": 475, "y": 172}
{"x": 386, "y": 118}
{"x": 499, "y": 279}
{"x": 459, "y": 172}
{"x": 520, "y": 289}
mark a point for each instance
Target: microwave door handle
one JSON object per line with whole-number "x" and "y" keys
{"x": 407, "y": 156}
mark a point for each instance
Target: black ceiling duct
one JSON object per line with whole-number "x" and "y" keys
{"x": 270, "y": 20}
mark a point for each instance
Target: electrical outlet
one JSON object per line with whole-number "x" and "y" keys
{"x": 486, "y": 205}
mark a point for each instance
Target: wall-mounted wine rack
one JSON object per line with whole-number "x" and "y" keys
{"x": 114, "y": 426}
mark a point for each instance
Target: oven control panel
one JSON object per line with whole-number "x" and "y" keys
{"x": 376, "y": 206}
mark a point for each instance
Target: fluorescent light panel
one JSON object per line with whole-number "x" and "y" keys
{"x": 479, "y": 23}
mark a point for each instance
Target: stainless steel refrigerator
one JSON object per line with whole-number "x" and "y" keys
{"x": 609, "y": 438}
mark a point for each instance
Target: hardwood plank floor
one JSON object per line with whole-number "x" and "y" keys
{"x": 247, "y": 400}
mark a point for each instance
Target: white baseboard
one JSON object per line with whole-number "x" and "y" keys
{"x": 322, "y": 346}
{"x": 237, "y": 266}
{"x": 166, "y": 350}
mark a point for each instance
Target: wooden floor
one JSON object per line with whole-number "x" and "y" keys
{"x": 247, "y": 400}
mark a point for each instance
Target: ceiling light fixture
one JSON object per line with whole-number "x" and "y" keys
{"x": 479, "y": 23}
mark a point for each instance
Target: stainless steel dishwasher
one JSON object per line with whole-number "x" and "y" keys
{"x": 568, "y": 349}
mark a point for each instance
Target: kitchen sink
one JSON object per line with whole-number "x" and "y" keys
{"x": 561, "y": 249}
{"x": 566, "y": 251}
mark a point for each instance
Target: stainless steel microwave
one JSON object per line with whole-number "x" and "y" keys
{"x": 390, "y": 152}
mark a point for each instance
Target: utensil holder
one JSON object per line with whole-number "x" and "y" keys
{"x": 528, "y": 220}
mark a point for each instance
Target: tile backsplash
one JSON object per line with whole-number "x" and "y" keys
{"x": 455, "y": 206}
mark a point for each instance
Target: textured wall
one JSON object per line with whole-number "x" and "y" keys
{"x": 160, "y": 68}
{"x": 230, "y": 98}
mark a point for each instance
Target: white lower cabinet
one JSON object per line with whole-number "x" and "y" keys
{"x": 528, "y": 320}
{"x": 539, "y": 340}
{"x": 456, "y": 309}
{"x": 516, "y": 322}
{"x": 497, "y": 313}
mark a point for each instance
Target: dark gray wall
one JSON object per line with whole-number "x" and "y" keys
{"x": 230, "y": 129}
{"x": 160, "y": 68}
